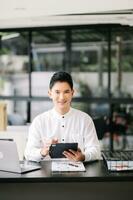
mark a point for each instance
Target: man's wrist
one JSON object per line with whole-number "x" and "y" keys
{"x": 83, "y": 157}
{"x": 42, "y": 154}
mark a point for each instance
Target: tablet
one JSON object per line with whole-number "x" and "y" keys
{"x": 56, "y": 150}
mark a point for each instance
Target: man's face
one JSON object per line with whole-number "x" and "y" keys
{"x": 61, "y": 94}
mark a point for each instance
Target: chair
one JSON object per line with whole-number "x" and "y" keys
{"x": 15, "y": 119}
{"x": 100, "y": 126}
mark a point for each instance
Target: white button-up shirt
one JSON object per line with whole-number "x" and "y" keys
{"x": 74, "y": 126}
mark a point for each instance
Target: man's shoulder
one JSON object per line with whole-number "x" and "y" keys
{"x": 80, "y": 113}
{"x": 42, "y": 115}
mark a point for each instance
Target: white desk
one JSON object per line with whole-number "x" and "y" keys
{"x": 19, "y": 134}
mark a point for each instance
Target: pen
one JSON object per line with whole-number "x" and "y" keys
{"x": 73, "y": 165}
{"x": 6, "y": 139}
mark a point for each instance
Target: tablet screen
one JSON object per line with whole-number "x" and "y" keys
{"x": 56, "y": 150}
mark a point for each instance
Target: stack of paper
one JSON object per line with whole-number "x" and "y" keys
{"x": 67, "y": 166}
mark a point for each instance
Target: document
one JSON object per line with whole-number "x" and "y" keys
{"x": 67, "y": 166}
{"x": 120, "y": 165}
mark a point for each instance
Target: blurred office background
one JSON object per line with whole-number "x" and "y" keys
{"x": 100, "y": 60}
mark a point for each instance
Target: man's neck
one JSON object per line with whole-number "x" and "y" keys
{"x": 62, "y": 111}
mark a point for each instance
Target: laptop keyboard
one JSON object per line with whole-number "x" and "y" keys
{"x": 25, "y": 166}
{"x": 119, "y": 155}
{"x": 118, "y": 160}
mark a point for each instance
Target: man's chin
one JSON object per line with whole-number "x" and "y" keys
{"x": 63, "y": 106}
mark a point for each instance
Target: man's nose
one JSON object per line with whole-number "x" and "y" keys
{"x": 61, "y": 96}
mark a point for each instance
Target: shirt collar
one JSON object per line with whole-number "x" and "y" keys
{"x": 58, "y": 115}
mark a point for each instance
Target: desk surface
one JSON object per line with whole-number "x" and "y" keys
{"x": 95, "y": 172}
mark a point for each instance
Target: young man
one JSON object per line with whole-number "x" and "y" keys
{"x": 62, "y": 124}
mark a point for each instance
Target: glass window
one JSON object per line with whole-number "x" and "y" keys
{"x": 48, "y": 49}
{"x": 38, "y": 107}
{"x": 84, "y": 53}
{"x": 40, "y": 83}
{"x": 89, "y": 62}
{"x": 122, "y": 64}
{"x": 122, "y": 126}
{"x": 93, "y": 109}
{"x": 14, "y": 64}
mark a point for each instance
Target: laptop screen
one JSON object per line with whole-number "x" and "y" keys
{"x": 9, "y": 159}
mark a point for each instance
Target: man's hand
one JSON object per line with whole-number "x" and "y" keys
{"x": 45, "y": 150}
{"x": 74, "y": 155}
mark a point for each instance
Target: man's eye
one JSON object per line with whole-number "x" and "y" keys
{"x": 67, "y": 91}
{"x": 57, "y": 92}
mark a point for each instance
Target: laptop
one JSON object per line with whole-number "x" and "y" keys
{"x": 9, "y": 159}
{"x": 118, "y": 160}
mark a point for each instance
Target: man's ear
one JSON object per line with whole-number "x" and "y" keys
{"x": 73, "y": 92}
{"x": 49, "y": 94}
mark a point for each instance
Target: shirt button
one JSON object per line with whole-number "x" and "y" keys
{"x": 63, "y": 140}
{"x": 62, "y": 116}
{"x": 63, "y": 126}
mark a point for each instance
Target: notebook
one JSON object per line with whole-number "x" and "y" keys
{"x": 118, "y": 160}
{"x": 67, "y": 166}
{"x": 9, "y": 159}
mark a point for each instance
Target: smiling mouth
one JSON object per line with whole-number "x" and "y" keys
{"x": 62, "y": 102}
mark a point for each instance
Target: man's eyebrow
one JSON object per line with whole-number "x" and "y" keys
{"x": 68, "y": 90}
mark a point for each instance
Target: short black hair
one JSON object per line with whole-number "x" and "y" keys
{"x": 61, "y": 76}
